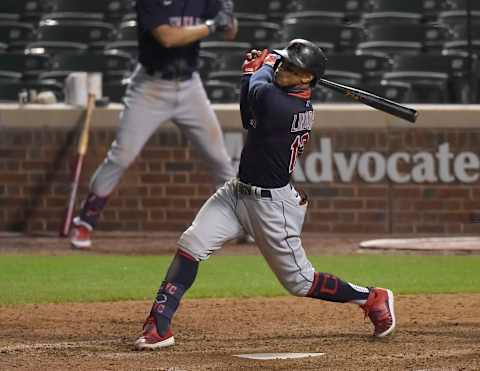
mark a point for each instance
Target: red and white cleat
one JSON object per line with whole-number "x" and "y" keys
{"x": 150, "y": 338}
{"x": 379, "y": 308}
{"x": 80, "y": 234}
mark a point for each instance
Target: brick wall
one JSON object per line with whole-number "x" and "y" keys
{"x": 168, "y": 183}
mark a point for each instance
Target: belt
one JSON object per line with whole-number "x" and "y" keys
{"x": 249, "y": 190}
{"x": 169, "y": 75}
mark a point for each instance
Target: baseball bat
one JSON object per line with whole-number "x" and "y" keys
{"x": 77, "y": 170}
{"x": 372, "y": 100}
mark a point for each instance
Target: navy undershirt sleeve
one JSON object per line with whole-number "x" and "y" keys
{"x": 245, "y": 109}
{"x": 260, "y": 86}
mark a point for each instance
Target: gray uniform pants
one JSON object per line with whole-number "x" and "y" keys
{"x": 151, "y": 101}
{"x": 275, "y": 223}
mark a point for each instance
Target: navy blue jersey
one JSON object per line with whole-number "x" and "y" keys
{"x": 278, "y": 122}
{"x": 154, "y": 13}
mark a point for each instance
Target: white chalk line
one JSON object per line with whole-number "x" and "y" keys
{"x": 50, "y": 346}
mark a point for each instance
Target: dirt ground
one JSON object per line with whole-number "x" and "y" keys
{"x": 434, "y": 332}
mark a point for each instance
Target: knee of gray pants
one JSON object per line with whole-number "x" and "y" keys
{"x": 121, "y": 155}
{"x": 192, "y": 245}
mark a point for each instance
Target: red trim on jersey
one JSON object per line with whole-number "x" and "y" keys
{"x": 314, "y": 284}
{"x": 186, "y": 255}
{"x": 302, "y": 94}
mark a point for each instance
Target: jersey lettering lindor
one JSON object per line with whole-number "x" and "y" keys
{"x": 302, "y": 121}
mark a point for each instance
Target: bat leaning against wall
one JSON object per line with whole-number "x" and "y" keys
{"x": 77, "y": 170}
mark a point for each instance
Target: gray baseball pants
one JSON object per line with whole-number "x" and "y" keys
{"x": 149, "y": 102}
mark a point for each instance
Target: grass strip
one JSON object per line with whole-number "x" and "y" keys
{"x": 82, "y": 278}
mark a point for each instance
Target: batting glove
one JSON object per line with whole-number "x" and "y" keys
{"x": 220, "y": 23}
{"x": 253, "y": 61}
{"x": 271, "y": 59}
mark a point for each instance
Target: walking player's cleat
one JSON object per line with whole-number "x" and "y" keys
{"x": 379, "y": 308}
{"x": 80, "y": 234}
{"x": 150, "y": 338}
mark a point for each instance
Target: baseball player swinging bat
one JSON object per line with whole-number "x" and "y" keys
{"x": 373, "y": 100}
{"x": 81, "y": 151}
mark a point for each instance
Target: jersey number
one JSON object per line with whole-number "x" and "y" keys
{"x": 296, "y": 147}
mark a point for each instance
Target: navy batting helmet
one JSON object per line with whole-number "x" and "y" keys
{"x": 305, "y": 55}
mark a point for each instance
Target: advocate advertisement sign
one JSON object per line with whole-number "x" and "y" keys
{"x": 327, "y": 165}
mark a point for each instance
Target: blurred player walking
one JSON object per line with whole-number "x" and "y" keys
{"x": 165, "y": 86}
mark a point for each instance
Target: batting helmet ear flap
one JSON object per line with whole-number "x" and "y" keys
{"x": 305, "y": 55}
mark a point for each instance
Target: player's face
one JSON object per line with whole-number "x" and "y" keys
{"x": 290, "y": 75}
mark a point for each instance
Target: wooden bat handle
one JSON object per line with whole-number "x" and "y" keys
{"x": 83, "y": 141}
{"x": 372, "y": 100}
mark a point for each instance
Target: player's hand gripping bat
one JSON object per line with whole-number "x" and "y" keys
{"x": 373, "y": 100}
{"x": 81, "y": 151}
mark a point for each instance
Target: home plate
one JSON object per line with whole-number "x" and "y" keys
{"x": 267, "y": 356}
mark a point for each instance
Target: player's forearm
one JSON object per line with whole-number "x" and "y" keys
{"x": 231, "y": 32}
{"x": 172, "y": 36}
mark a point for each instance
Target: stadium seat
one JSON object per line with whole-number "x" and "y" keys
{"x": 388, "y": 11}
{"x": 459, "y": 31}
{"x": 259, "y": 34}
{"x": 450, "y": 73}
{"x": 88, "y": 10}
{"x": 462, "y": 46}
{"x": 458, "y": 18}
{"x": 127, "y": 31}
{"x": 16, "y": 35}
{"x": 370, "y": 66}
{"x": 277, "y": 10}
{"x": 429, "y": 87}
{"x": 318, "y": 16}
{"x": 125, "y": 46}
{"x": 259, "y": 10}
{"x": 231, "y": 61}
{"x": 394, "y": 90}
{"x": 343, "y": 38}
{"x": 231, "y": 77}
{"x": 220, "y": 48}
{"x": 207, "y": 62}
{"x": 350, "y": 10}
{"x": 93, "y": 34}
{"x": 404, "y": 38}
{"x": 21, "y": 10}
{"x": 461, "y": 5}
{"x": 10, "y": 76}
{"x": 55, "y": 47}
{"x": 221, "y": 91}
{"x": 113, "y": 65}
{"x": 115, "y": 90}
{"x": 29, "y": 65}
{"x": 9, "y": 90}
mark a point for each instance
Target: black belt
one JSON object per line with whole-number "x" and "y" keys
{"x": 249, "y": 190}
{"x": 169, "y": 75}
